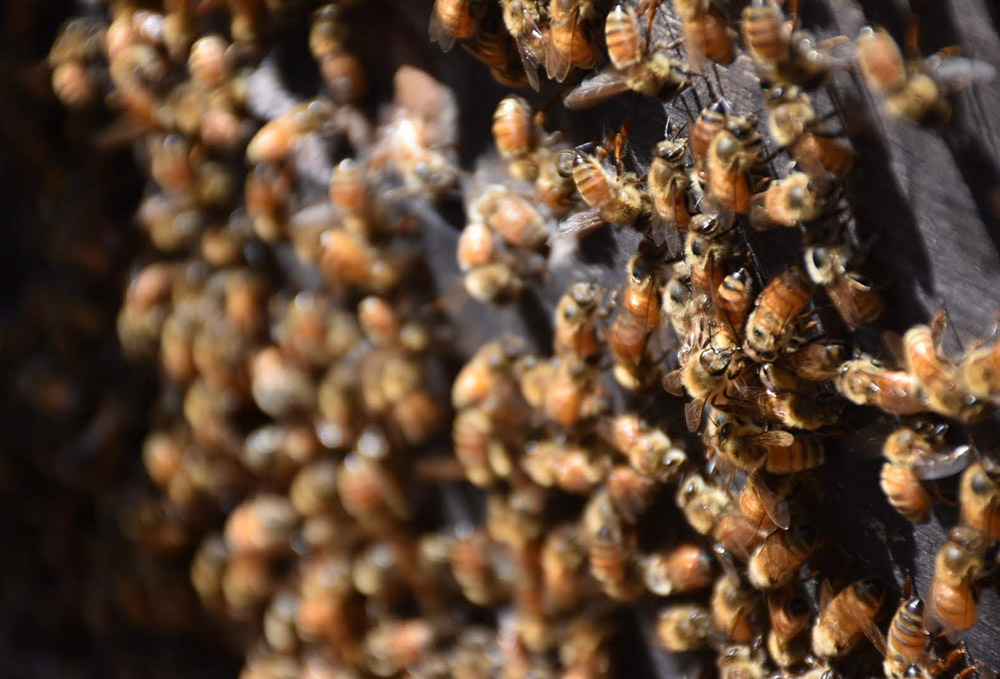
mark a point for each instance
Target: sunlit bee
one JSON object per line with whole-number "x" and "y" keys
{"x": 862, "y": 382}
{"x": 732, "y": 609}
{"x": 705, "y": 33}
{"x": 774, "y": 320}
{"x": 521, "y": 19}
{"x": 939, "y": 375}
{"x": 732, "y": 152}
{"x": 789, "y": 614}
{"x": 638, "y": 316}
{"x": 711, "y": 120}
{"x": 668, "y": 183}
{"x": 951, "y": 601}
{"x": 777, "y": 561}
{"x": 576, "y": 322}
{"x": 979, "y": 499}
{"x": 843, "y": 618}
{"x": 793, "y": 124}
{"x": 688, "y": 567}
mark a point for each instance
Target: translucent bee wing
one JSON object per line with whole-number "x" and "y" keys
{"x": 529, "y": 63}
{"x": 940, "y": 466}
{"x": 442, "y": 33}
{"x": 673, "y": 384}
{"x": 776, "y": 508}
{"x": 581, "y": 223}
{"x": 957, "y": 73}
{"x": 597, "y": 89}
{"x": 693, "y": 411}
{"x": 775, "y": 437}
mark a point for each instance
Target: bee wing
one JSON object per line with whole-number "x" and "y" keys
{"x": 529, "y": 64}
{"x": 596, "y": 89}
{"x": 825, "y": 595}
{"x": 775, "y": 437}
{"x": 939, "y": 466}
{"x": 959, "y": 73}
{"x": 776, "y": 508}
{"x": 534, "y": 36}
{"x": 581, "y": 223}
{"x": 874, "y": 635}
{"x": 558, "y": 64}
{"x": 673, "y": 384}
{"x": 693, "y": 411}
{"x": 442, "y": 33}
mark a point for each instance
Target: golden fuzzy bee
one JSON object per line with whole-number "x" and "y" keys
{"x": 734, "y": 298}
{"x": 981, "y": 372}
{"x": 705, "y": 33}
{"x": 864, "y": 382}
{"x": 569, "y": 44}
{"x": 574, "y": 469}
{"x": 789, "y": 613}
{"x": 733, "y": 608}
{"x": 786, "y": 203}
{"x": 843, "y": 618}
{"x": 979, "y": 498}
{"x": 576, "y": 322}
{"x": 637, "y": 318}
{"x": 517, "y": 137}
{"x": 916, "y": 453}
{"x": 775, "y": 317}
{"x": 668, "y": 184}
{"x": 710, "y": 121}
{"x": 916, "y": 90}
{"x": 611, "y": 549}
{"x": 951, "y": 600}
{"x": 703, "y": 504}
{"x": 617, "y": 199}
{"x": 683, "y": 627}
{"x": 742, "y": 661}
{"x": 776, "y": 562}
{"x": 521, "y": 19}
{"x": 648, "y": 449}
{"x": 780, "y": 54}
{"x": 644, "y": 69}
{"x": 793, "y": 124}
{"x": 688, "y": 567}
{"x": 939, "y": 374}
{"x": 733, "y": 151}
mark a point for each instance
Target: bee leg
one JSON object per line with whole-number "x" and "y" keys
{"x": 935, "y": 492}
{"x": 907, "y": 586}
{"x": 949, "y": 661}
{"x": 969, "y": 671}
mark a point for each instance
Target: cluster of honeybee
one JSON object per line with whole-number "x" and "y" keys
{"x": 766, "y": 381}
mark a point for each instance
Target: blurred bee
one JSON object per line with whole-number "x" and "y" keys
{"x": 569, "y": 45}
{"x": 632, "y": 493}
{"x": 76, "y": 46}
{"x": 668, "y": 184}
{"x": 644, "y": 69}
{"x": 683, "y": 627}
{"x": 742, "y": 662}
{"x": 914, "y": 453}
{"x": 573, "y": 394}
{"x": 786, "y": 203}
{"x": 809, "y": 408}
{"x": 516, "y": 136}
{"x": 979, "y": 499}
{"x": 981, "y": 372}
{"x": 555, "y": 186}
{"x": 776, "y": 562}
{"x": 576, "y": 328}
{"x": 477, "y": 247}
{"x": 482, "y": 377}
{"x": 637, "y": 318}
{"x": 521, "y": 18}
{"x": 780, "y": 54}
{"x": 705, "y": 33}
{"x": 863, "y": 382}
{"x": 922, "y": 357}
{"x": 572, "y": 468}
{"x": 563, "y": 561}
{"x": 710, "y": 121}
{"x": 792, "y": 123}
{"x": 773, "y": 322}
{"x": 451, "y": 20}
{"x": 915, "y": 90}
{"x": 648, "y": 449}
{"x": 368, "y": 487}
{"x": 497, "y": 283}
{"x": 391, "y": 646}
{"x": 733, "y": 609}
{"x": 584, "y": 654}
{"x": 341, "y": 70}
{"x": 686, "y": 568}
{"x": 473, "y": 557}
{"x": 262, "y": 525}
{"x": 789, "y": 614}
{"x": 703, "y": 504}
{"x": 515, "y": 219}
{"x": 733, "y": 150}
{"x": 678, "y": 300}
{"x": 855, "y": 301}
{"x": 494, "y": 47}
{"x": 844, "y": 618}
{"x": 475, "y": 446}
{"x": 611, "y": 549}
{"x": 275, "y": 141}
{"x": 951, "y": 601}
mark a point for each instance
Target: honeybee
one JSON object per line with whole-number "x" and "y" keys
{"x": 668, "y": 183}
{"x": 810, "y": 408}
{"x": 276, "y": 140}
{"x": 914, "y": 91}
{"x": 704, "y": 256}
{"x": 573, "y": 394}
{"x": 863, "y": 382}
{"x": 979, "y": 499}
{"x": 981, "y": 372}
{"x": 733, "y": 609}
{"x": 496, "y": 283}
{"x": 688, "y": 567}
{"x": 632, "y": 493}
{"x": 262, "y": 525}
{"x": 781, "y": 54}
{"x": 705, "y": 33}
{"x": 494, "y": 47}
{"x": 805, "y": 453}
{"x": 855, "y": 301}
{"x": 563, "y": 560}
{"x": 786, "y": 202}
{"x": 710, "y": 121}
{"x": 773, "y": 322}
{"x": 521, "y": 18}
{"x": 844, "y": 618}
{"x": 477, "y": 247}
{"x": 475, "y": 446}
{"x": 817, "y": 361}
{"x": 742, "y": 661}
{"x": 703, "y": 504}
{"x": 451, "y": 20}
{"x": 710, "y": 360}
{"x": 572, "y": 468}
{"x": 914, "y": 453}
{"x": 734, "y": 297}
{"x": 683, "y": 627}
{"x": 610, "y": 548}
{"x": 637, "y": 318}
{"x": 789, "y": 614}
{"x": 368, "y": 487}
{"x": 472, "y": 556}
{"x": 792, "y": 123}
{"x": 515, "y": 135}
{"x": 516, "y": 220}
{"x": 576, "y": 329}
{"x": 906, "y": 642}
{"x": 922, "y": 357}
{"x": 678, "y": 300}
{"x": 776, "y": 562}
{"x": 569, "y": 44}
{"x": 733, "y": 150}
{"x": 951, "y": 601}
{"x": 391, "y": 646}
{"x": 646, "y": 70}
{"x": 555, "y": 185}
{"x": 648, "y": 449}
{"x": 482, "y": 376}
{"x": 618, "y": 200}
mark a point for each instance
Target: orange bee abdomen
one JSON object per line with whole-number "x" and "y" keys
{"x": 622, "y": 38}
{"x": 953, "y": 604}
{"x": 903, "y": 490}
{"x": 709, "y": 32}
{"x": 592, "y": 183}
{"x": 763, "y": 34}
{"x": 803, "y": 454}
